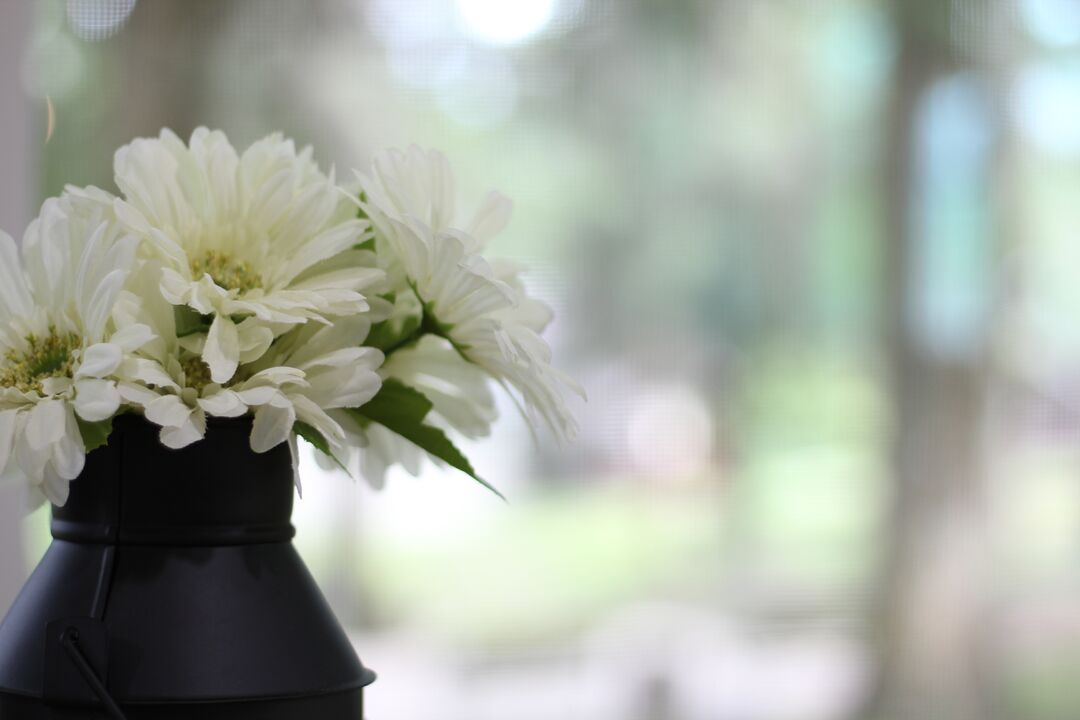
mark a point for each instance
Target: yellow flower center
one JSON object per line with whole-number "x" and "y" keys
{"x": 226, "y": 271}
{"x": 196, "y": 373}
{"x": 43, "y": 358}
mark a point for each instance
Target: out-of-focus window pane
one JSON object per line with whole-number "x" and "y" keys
{"x": 816, "y": 264}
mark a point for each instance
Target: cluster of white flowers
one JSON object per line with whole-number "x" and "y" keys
{"x": 361, "y": 317}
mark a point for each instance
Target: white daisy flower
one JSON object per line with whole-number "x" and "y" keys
{"x": 490, "y": 322}
{"x": 59, "y": 351}
{"x": 242, "y": 237}
{"x": 485, "y": 314}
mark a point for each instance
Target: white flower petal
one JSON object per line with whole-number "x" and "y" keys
{"x": 69, "y": 455}
{"x": 30, "y": 460}
{"x": 277, "y": 377}
{"x": 205, "y": 296}
{"x": 222, "y": 351}
{"x": 492, "y": 217}
{"x": 168, "y": 411}
{"x": 190, "y": 431}
{"x": 254, "y": 339}
{"x": 349, "y": 386}
{"x": 272, "y": 427}
{"x": 147, "y": 372}
{"x": 343, "y": 357}
{"x": 350, "y": 278}
{"x": 193, "y": 343}
{"x": 294, "y": 453}
{"x": 100, "y": 306}
{"x": 96, "y": 400}
{"x": 325, "y": 245}
{"x": 224, "y": 403}
{"x": 100, "y": 360}
{"x": 256, "y": 396}
{"x": 56, "y": 386}
{"x": 55, "y": 487}
{"x": 132, "y": 337}
{"x": 45, "y": 424}
{"x": 136, "y": 395}
{"x": 174, "y": 287}
{"x": 315, "y": 416}
{"x": 15, "y": 297}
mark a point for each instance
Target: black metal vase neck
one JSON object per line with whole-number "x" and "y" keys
{"x": 136, "y": 491}
{"x": 172, "y": 590}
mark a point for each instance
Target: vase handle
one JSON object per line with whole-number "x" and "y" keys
{"x": 78, "y": 644}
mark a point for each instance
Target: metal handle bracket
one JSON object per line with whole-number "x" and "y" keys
{"x": 76, "y": 664}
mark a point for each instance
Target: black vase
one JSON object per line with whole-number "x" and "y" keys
{"x": 172, "y": 590}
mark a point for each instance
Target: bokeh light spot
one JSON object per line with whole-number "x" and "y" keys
{"x": 670, "y": 432}
{"x": 96, "y": 20}
{"x": 505, "y": 23}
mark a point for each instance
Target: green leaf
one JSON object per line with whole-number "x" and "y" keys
{"x": 402, "y": 409}
{"x": 396, "y": 404}
{"x": 189, "y": 321}
{"x": 391, "y": 335}
{"x": 318, "y": 440}
{"x": 94, "y": 434}
{"x": 368, "y": 244}
{"x": 360, "y": 211}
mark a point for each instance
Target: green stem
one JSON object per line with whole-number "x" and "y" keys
{"x": 429, "y": 325}
{"x": 406, "y": 341}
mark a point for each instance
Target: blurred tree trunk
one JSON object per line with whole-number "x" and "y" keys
{"x": 152, "y": 74}
{"x": 161, "y": 60}
{"x": 932, "y": 599}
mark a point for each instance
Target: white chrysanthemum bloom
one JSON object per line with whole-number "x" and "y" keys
{"x": 242, "y": 237}
{"x": 487, "y": 316}
{"x": 59, "y": 352}
{"x": 488, "y": 321}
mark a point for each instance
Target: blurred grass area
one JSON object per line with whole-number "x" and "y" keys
{"x": 812, "y": 490}
{"x": 1042, "y": 687}
{"x": 550, "y": 567}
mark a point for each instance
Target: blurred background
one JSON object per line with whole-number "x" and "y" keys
{"x": 812, "y": 259}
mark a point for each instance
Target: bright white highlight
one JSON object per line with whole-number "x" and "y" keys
{"x": 1054, "y": 22}
{"x": 505, "y": 23}
{"x": 1046, "y": 99}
